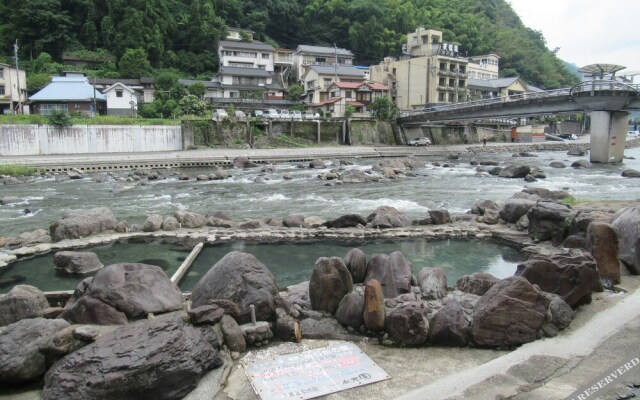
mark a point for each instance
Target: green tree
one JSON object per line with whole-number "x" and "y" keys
{"x": 192, "y": 105}
{"x": 36, "y": 81}
{"x": 198, "y": 89}
{"x": 296, "y": 91}
{"x": 382, "y": 108}
{"x": 134, "y": 64}
{"x": 349, "y": 111}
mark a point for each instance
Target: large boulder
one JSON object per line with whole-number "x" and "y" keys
{"x": 408, "y": 324}
{"x": 449, "y": 326}
{"x": 548, "y": 221}
{"x": 20, "y": 357}
{"x": 130, "y": 289}
{"x": 241, "y": 278}
{"x": 346, "y": 221}
{"x": 572, "y": 275}
{"x": 294, "y": 221}
{"x": 514, "y": 209}
{"x": 627, "y": 224}
{"x": 162, "y": 358}
{"x": 242, "y": 162}
{"x": 76, "y": 262}
{"x": 374, "y": 310}
{"x": 511, "y": 313}
{"x": 477, "y": 283}
{"x": 602, "y": 243}
{"x": 190, "y": 219}
{"x": 439, "y": 217}
{"x": 388, "y": 217}
{"x": 83, "y": 223}
{"x": 330, "y": 282}
{"x": 22, "y": 301}
{"x": 546, "y": 194}
{"x": 514, "y": 171}
{"x": 356, "y": 262}
{"x": 433, "y": 283}
{"x": 153, "y": 223}
{"x": 392, "y": 271}
{"x": 350, "y": 310}
{"x": 356, "y": 176}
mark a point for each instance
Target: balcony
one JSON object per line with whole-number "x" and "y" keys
{"x": 446, "y": 72}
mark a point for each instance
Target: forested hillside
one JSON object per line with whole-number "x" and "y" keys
{"x": 183, "y": 34}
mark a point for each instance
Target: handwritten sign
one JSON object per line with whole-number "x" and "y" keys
{"x": 313, "y": 373}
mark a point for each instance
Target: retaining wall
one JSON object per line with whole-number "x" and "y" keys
{"x": 25, "y": 140}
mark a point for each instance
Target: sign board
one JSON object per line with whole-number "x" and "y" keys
{"x": 313, "y": 373}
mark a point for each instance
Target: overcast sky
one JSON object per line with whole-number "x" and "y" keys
{"x": 587, "y": 31}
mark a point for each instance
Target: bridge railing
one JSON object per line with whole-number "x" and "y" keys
{"x": 492, "y": 100}
{"x": 603, "y": 84}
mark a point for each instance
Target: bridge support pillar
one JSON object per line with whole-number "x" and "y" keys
{"x": 608, "y": 135}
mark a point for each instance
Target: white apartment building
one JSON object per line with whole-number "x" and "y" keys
{"x": 10, "y": 80}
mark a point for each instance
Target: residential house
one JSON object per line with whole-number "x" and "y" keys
{"x": 484, "y": 67}
{"x": 318, "y": 79}
{"x": 213, "y": 89}
{"x": 306, "y": 56}
{"x": 493, "y": 88}
{"x": 13, "y": 89}
{"x": 430, "y": 73}
{"x": 283, "y": 66}
{"x": 121, "y": 100}
{"x": 71, "y": 93}
{"x": 357, "y": 95}
{"x": 144, "y": 87}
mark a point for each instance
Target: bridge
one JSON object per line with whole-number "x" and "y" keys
{"x": 607, "y": 101}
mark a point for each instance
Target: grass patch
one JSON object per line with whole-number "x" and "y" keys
{"x": 36, "y": 119}
{"x": 17, "y": 170}
{"x": 569, "y": 201}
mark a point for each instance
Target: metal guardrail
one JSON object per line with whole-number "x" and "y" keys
{"x": 580, "y": 87}
{"x": 602, "y": 84}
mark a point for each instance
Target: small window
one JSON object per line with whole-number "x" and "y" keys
{"x": 347, "y": 94}
{"x": 118, "y": 93}
{"x": 265, "y": 56}
{"x": 1, "y": 90}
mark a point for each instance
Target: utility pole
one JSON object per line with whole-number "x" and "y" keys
{"x": 95, "y": 102}
{"x": 335, "y": 68}
{"x": 15, "y": 53}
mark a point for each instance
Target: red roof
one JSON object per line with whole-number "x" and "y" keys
{"x": 355, "y": 103}
{"x": 348, "y": 85}
{"x": 378, "y": 86}
{"x": 328, "y": 101}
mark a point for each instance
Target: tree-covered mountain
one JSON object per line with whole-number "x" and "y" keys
{"x": 184, "y": 34}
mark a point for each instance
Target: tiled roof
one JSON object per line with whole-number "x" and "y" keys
{"x": 355, "y": 103}
{"x": 303, "y": 48}
{"x": 255, "y": 45}
{"x": 348, "y": 85}
{"x": 492, "y": 83}
{"x": 238, "y": 71}
{"x": 341, "y": 70}
{"x": 328, "y": 101}
{"x": 64, "y": 88}
{"x": 378, "y": 86}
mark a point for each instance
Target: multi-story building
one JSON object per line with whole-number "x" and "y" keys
{"x": 318, "y": 79}
{"x": 13, "y": 89}
{"x": 307, "y": 56}
{"x": 484, "y": 67}
{"x": 356, "y": 95}
{"x": 432, "y": 72}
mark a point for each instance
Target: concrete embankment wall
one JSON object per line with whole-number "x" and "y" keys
{"x": 26, "y": 140}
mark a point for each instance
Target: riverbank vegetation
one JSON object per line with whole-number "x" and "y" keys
{"x": 17, "y": 170}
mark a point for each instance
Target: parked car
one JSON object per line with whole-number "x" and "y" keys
{"x": 568, "y": 136}
{"x": 271, "y": 114}
{"x": 420, "y": 141}
{"x": 285, "y": 114}
{"x": 240, "y": 114}
{"x": 258, "y": 114}
{"x": 296, "y": 115}
{"x": 220, "y": 114}
{"x": 310, "y": 115}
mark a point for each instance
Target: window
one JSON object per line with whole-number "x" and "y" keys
{"x": 1, "y": 90}
{"x": 461, "y": 83}
{"x": 451, "y": 97}
{"x": 311, "y": 84}
{"x": 347, "y": 94}
{"x": 452, "y": 83}
{"x": 240, "y": 65}
{"x": 265, "y": 56}
{"x": 327, "y": 83}
{"x": 441, "y": 97}
{"x": 46, "y": 109}
{"x": 442, "y": 82}
{"x": 1, "y": 74}
{"x": 443, "y": 66}
{"x": 118, "y": 92}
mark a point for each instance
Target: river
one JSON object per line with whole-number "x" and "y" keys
{"x": 456, "y": 188}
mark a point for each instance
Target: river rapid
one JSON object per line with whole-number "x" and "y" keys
{"x": 253, "y": 193}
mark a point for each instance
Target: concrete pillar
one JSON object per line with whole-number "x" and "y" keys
{"x": 608, "y": 135}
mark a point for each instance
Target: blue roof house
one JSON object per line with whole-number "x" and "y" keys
{"x": 72, "y": 94}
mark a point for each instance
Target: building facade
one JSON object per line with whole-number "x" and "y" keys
{"x": 13, "y": 89}
{"x": 121, "y": 100}
{"x": 431, "y": 72}
{"x": 318, "y": 79}
{"x": 307, "y": 56}
{"x": 484, "y": 67}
